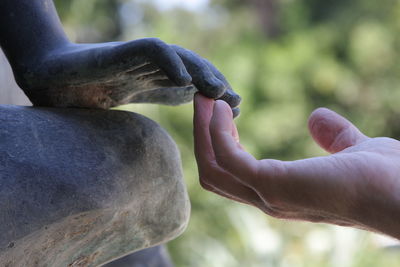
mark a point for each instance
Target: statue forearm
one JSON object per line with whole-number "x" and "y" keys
{"x": 28, "y": 29}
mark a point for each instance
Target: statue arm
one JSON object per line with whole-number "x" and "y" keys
{"x": 53, "y": 71}
{"x": 29, "y": 29}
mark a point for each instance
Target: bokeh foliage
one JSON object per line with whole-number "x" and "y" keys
{"x": 339, "y": 54}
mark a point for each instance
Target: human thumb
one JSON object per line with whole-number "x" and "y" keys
{"x": 332, "y": 131}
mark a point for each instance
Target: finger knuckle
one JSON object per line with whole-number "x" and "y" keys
{"x": 157, "y": 44}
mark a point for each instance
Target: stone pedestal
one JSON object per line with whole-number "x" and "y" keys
{"x": 83, "y": 187}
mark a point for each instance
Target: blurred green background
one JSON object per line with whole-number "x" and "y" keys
{"x": 285, "y": 58}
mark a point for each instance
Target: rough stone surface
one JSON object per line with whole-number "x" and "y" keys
{"x": 83, "y": 187}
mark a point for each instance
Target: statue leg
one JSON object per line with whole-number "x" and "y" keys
{"x": 84, "y": 187}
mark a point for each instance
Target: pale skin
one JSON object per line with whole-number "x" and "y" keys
{"x": 357, "y": 185}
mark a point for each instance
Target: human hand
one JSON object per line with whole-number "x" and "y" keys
{"x": 110, "y": 74}
{"x": 357, "y": 185}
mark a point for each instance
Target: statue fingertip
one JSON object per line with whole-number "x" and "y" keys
{"x": 235, "y": 112}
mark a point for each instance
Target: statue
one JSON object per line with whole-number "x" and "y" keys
{"x": 68, "y": 176}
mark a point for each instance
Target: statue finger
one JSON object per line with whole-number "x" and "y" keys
{"x": 150, "y": 50}
{"x": 230, "y": 96}
{"x": 202, "y": 77}
{"x": 235, "y": 112}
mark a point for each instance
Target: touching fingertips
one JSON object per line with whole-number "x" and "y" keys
{"x": 203, "y": 109}
{"x": 231, "y": 98}
{"x": 203, "y": 102}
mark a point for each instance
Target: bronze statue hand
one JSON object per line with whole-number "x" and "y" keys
{"x": 111, "y": 74}
{"x": 52, "y": 71}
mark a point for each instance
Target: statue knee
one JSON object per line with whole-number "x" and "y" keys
{"x": 103, "y": 183}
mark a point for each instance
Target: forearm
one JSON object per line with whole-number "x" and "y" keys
{"x": 29, "y": 29}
